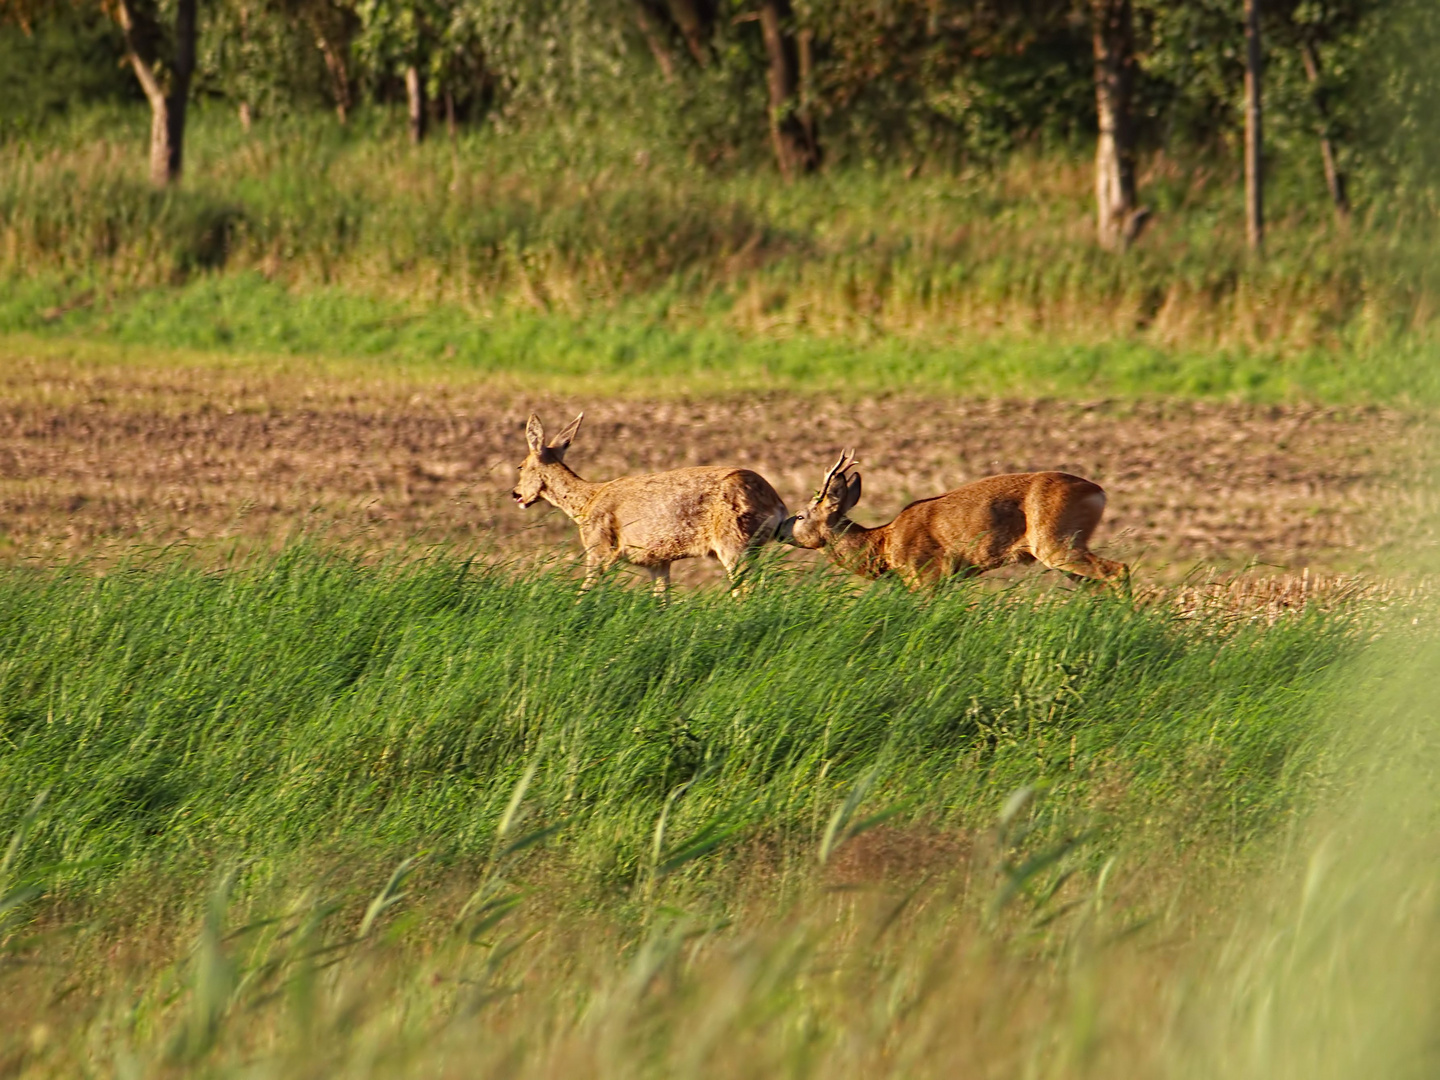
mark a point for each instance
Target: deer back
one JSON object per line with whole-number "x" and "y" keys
{"x": 1014, "y": 517}
{"x": 683, "y": 513}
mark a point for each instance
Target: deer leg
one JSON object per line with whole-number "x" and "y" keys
{"x": 925, "y": 576}
{"x": 1083, "y": 566}
{"x": 601, "y": 551}
{"x": 1108, "y": 572}
{"x": 737, "y": 563}
{"x": 597, "y": 561}
{"x": 1065, "y": 544}
{"x": 913, "y": 579}
{"x": 739, "y": 551}
{"x": 592, "y": 575}
{"x": 931, "y": 571}
{"x": 734, "y": 564}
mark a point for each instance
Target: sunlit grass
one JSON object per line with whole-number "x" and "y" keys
{"x": 656, "y": 266}
{"x": 305, "y": 700}
{"x": 244, "y": 320}
{"x": 315, "y": 815}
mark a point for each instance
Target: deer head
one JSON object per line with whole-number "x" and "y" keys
{"x": 542, "y": 461}
{"x": 824, "y": 517}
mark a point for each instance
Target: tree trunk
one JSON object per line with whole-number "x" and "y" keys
{"x": 1254, "y": 135}
{"x": 654, "y": 35}
{"x": 415, "y": 96}
{"x": 247, "y": 113}
{"x": 694, "y": 28}
{"x": 339, "y": 73}
{"x": 1118, "y": 220}
{"x": 794, "y": 142}
{"x": 1334, "y": 178}
{"x": 181, "y": 73}
{"x": 805, "y": 41}
{"x": 168, "y": 99}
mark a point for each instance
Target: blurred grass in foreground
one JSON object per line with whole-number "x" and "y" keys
{"x": 1329, "y": 970}
{"x": 309, "y": 817}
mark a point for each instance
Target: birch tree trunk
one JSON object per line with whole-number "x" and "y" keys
{"x": 1254, "y": 134}
{"x": 415, "y": 97}
{"x": 1118, "y": 220}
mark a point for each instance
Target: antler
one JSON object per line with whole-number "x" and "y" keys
{"x": 847, "y": 461}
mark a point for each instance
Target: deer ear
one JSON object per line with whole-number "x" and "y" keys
{"x": 535, "y": 433}
{"x": 562, "y": 442}
{"x": 852, "y": 494}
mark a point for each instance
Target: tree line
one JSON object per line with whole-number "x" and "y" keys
{"x": 810, "y": 81}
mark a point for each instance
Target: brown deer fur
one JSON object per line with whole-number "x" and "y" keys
{"x": 654, "y": 519}
{"x": 1016, "y": 518}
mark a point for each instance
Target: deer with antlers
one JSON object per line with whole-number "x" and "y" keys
{"x": 1016, "y": 518}
{"x": 655, "y": 519}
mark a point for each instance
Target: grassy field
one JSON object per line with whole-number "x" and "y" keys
{"x": 634, "y": 349}
{"x": 623, "y": 837}
{"x": 561, "y": 254}
{"x": 313, "y": 763}
{"x": 306, "y": 700}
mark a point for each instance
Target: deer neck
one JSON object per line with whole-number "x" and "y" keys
{"x": 566, "y": 491}
{"x": 858, "y": 549}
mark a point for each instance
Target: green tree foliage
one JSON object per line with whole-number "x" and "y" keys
{"x": 1398, "y": 121}
{"x": 263, "y": 55}
{"x": 883, "y": 81}
{"x": 967, "y": 75}
{"x": 71, "y": 58}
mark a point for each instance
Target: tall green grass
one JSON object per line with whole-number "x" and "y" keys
{"x": 312, "y": 816}
{"x": 308, "y": 703}
{"x": 654, "y": 256}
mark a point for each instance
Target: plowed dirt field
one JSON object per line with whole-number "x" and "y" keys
{"x": 99, "y": 459}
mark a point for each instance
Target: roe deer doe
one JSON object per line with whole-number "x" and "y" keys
{"x": 1017, "y": 518}
{"x": 655, "y": 519}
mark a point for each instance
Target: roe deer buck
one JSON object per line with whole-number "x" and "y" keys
{"x": 1017, "y": 518}
{"x": 655, "y": 519}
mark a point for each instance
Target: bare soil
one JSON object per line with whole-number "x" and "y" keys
{"x": 96, "y": 460}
